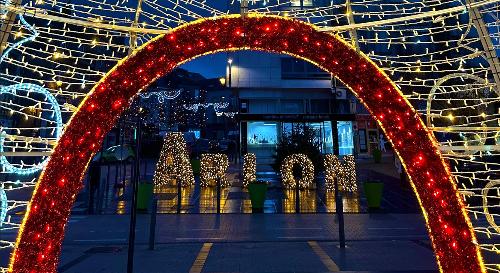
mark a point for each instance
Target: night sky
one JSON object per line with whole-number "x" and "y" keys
{"x": 210, "y": 66}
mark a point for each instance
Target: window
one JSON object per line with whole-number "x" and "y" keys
{"x": 292, "y": 106}
{"x": 292, "y": 68}
{"x": 363, "y": 147}
{"x": 345, "y": 138}
{"x": 259, "y": 133}
{"x": 319, "y": 106}
{"x": 262, "y": 106}
{"x": 324, "y": 135}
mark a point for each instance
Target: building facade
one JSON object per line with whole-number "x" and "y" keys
{"x": 275, "y": 93}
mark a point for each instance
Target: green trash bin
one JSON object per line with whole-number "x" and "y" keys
{"x": 144, "y": 195}
{"x": 373, "y": 193}
{"x": 257, "y": 193}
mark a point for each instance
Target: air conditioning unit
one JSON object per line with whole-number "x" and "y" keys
{"x": 339, "y": 93}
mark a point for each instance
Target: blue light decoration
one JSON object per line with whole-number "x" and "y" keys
{"x": 3, "y": 206}
{"x": 216, "y": 105}
{"x": 17, "y": 44}
{"x": 28, "y": 87}
{"x": 163, "y": 94}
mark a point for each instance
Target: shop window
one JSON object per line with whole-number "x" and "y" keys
{"x": 323, "y": 133}
{"x": 261, "y": 133}
{"x": 345, "y": 138}
{"x": 324, "y": 136}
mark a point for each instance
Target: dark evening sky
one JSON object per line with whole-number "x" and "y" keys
{"x": 210, "y": 66}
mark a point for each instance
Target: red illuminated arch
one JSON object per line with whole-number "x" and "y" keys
{"x": 39, "y": 241}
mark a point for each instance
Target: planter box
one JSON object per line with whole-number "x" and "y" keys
{"x": 257, "y": 193}
{"x": 144, "y": 195}
{"x": 377, "y": 155}
{"x": 196, "y": 165}
{"x": 373, "y": 193}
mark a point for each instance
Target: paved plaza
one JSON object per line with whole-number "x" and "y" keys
{"x": 250, "y": 243}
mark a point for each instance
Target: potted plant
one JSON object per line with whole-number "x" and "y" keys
{"x": 377, "y": 155}
{"x": 257, "y": 190}
{"x": 373, "y": 192}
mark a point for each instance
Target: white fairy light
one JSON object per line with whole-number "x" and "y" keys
{"x": 69, "y": 56}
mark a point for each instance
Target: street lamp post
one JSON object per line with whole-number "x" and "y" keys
{"x": 230, "y": 65}
{"x": 135, "y": 186}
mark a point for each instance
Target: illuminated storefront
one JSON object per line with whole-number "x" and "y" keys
{"x": 261, "y": 133}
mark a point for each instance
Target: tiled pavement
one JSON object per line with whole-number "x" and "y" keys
{"x": 256, "y": 257}
{"x": 251, "y": 243}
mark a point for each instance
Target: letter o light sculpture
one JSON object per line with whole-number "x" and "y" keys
{"x": 39, "y": 240}
{"x": 307, "y": 170}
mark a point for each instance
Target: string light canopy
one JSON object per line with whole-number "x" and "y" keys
{"x": 417, "y": 43}
{"x": 39, "y": 241}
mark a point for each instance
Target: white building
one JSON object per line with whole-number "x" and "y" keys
{"x": 276, "y": 92}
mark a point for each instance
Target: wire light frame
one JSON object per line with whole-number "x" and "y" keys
{"x": 213, "y": 169}
{"x": 173, "y": 165}
{"x": 68, "y": 56}
{"x": 306, "y": 169}
{"x": 249, "y": 169}
{"x": 344, "y": 172}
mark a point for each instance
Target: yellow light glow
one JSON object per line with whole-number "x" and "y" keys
{"x": 345, "y": 172}
{"x": 213, "y": 167}
{"x": 307, "y": 169}
{"x": 173, "y": 166}
{"x": 249, "y": 169}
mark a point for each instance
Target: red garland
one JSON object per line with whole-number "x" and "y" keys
{"x": 39, "y": 240}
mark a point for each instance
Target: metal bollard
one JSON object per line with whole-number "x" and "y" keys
{"x": 152, "y": 224}
{"x": 179, "y": 196}
{"x": 218, "y": 195}
{"x": 339, "y": 206}
{"x": 297, "y": 198}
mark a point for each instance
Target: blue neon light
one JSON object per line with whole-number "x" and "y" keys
{"x": 3, "y": 206}
{"x": 17, "y": 44}
{"x": 28, "y": 87}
